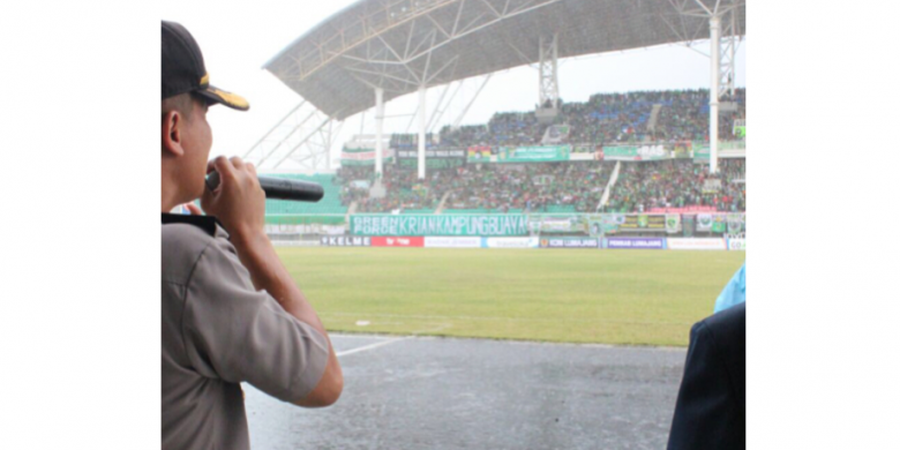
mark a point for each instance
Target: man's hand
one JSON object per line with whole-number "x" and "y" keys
{"x": 238, "y": 202}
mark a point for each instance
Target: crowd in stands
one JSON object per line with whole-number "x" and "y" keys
{"x": 607, "y": 119}
{"x": 407, "y": 141}
{"x": 604, "y": 120}
{"x": 494, "y": 187}
{"x": 642, "y": 186}
{"x": 403, "y": 188}
{"x": 531, "y": 187}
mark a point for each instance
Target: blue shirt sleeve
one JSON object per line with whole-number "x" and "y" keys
{"x": 735, "y": 291}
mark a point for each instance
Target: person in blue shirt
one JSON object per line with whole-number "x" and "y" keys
{"x": 735, "y": 291}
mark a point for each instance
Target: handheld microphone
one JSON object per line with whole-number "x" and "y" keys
{"x": 280, "y": 188}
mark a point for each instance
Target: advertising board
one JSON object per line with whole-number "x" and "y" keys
{"x": 621, "y": 223}
{"x": 556, "y": 224}
{"x": 346, "y": 241}
{"x": 696, "y": 244}
{"x": 438, "y": 225}
{"x": 399, "y": 241}
{"x": 635, "y": 243}
{"x": 601, "y": 224}
{"x": 452, "y": 242}
{"x": 510, "y": 242}
{"x": 570, "y": 243}
{"x": 737, "y": 244}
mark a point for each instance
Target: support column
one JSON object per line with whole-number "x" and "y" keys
{"x": 422, "y": 125}
{"x": 714, "y": 29}
{"x": 379, "y": 131}
{"x": 732, "y": 50}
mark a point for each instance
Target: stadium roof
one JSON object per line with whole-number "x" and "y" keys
{"x": 400, "y": 44}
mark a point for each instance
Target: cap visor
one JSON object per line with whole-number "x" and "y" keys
{"x": 226, "y": 98}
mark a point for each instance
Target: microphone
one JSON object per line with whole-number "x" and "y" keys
{"x": 280, "y": 188}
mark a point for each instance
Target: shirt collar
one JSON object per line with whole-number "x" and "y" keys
{"x": 206, "y": 223}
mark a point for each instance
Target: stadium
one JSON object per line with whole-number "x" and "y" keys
{"x": 564, "y": 249}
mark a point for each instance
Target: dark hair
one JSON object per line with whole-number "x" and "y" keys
{"x": 183, "y": 103}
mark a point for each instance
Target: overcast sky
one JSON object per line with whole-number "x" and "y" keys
{"x": 238, "y": 38}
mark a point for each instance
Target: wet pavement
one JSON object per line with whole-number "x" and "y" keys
{"x": 439, "y": 393}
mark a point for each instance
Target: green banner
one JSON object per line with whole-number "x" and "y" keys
{"x": 619, "y": 152}
{"x": 432, "y": 225}
{"x": 673, "y": 223}
{"x": 718, "y": 224}
{"x": 635, "y": 153}
{"x": 544, "y": 153}
{"x": 701, "y": 152}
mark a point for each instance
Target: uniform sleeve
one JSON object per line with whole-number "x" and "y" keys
{"x": 234, "y": 333}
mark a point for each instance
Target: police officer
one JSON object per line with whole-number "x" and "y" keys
{"x": 230, "y": 311}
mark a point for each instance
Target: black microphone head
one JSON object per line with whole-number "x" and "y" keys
{"x": 279, "y": 188}
{"x": 212, "y": 180}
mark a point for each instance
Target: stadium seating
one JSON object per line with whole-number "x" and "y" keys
{"x": 557, "y": 187}
{"x": 604, "y": 119}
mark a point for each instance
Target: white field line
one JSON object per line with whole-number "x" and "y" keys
{"x": 385, "y": 342}
{"x": 371, "y": 346}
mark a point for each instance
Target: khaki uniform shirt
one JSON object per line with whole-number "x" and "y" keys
{"x": 218, "y": 331}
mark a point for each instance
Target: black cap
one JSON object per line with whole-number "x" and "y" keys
{"x": 183, "y": 69}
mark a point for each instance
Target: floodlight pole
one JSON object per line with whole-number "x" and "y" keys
{"x": 422, "y": 125}
{"x": 721, "y": 59}
{"x": 715, "y": 26}
{"x": 379, "y": 131}
{"x": 548, "y": 79}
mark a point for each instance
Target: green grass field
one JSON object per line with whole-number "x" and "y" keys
{"x": 611, "y": 296}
